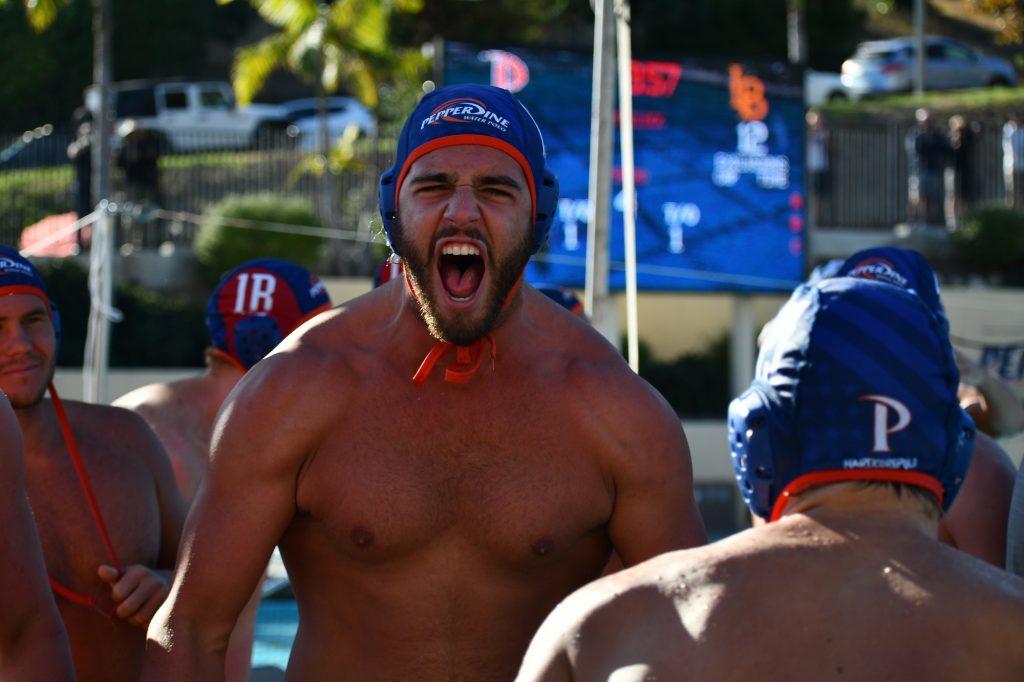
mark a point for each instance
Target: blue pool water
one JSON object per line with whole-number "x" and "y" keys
{"x": 276, "y": 623}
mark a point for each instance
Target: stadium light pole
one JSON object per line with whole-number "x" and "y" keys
{"x": 597, "y": 304}
{"x": 625, "y": 63}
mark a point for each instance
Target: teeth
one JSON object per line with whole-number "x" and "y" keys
{"x": 460, "y": 250}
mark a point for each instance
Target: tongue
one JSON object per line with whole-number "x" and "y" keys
{"x": 461, "y": 283}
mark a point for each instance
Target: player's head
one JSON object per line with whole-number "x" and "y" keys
{"x": 259, "y": 303}
{"x": 901, "y": 268}
{"x": 563, "y": 297}
{"x": 29, "y": 331}
{"x": 856, "y": 382}
{"x": 467, "y": 202}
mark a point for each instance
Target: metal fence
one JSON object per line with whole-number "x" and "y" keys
{"x": 38, "y": 181}
{"x": 866, "y": 188}
{"x": 868, "y": 175}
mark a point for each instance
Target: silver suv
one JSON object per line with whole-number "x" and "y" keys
{"x": 884, "y": 66}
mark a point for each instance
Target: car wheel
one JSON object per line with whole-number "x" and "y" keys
{"x": 998, "y": 82}
{"x": 271, "y": 135}
{"x": 837, "y": 96}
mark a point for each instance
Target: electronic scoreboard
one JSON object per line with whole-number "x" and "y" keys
{"x": 718, "y": 149}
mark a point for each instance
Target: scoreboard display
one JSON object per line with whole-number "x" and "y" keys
{"x": 718, "y": 157}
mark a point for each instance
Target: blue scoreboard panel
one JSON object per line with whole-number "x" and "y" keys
{"x": 718, "y": 166}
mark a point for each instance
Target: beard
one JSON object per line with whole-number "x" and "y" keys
{"x": 22, "y": 400}
{"x": 462, "y": 329}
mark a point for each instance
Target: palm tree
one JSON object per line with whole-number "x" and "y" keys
{"x": 324, "y": 43}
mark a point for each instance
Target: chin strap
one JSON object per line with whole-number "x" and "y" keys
{"x": 467, "y": 358}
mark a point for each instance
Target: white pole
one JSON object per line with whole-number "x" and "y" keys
{"x": 741, "y": 342}
{"x": 625, "y": 54}
{"x": 596, "y": 300}
{"x": 101, "y": 255}
{"x": 920, "y": 56}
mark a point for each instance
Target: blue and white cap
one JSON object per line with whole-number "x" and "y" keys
{"x": 473, "y": 115}
{"x": 856, "y": 381}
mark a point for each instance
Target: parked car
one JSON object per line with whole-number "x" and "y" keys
{"x": 189, "y": 116}
{"x": 884, "y": 66}
{"x": 41, "y": 146}
{"x": 821, "y": 87}
{"x": 304, "y": 116}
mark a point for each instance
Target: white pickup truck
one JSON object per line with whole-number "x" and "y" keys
{"x": 190, "y": 116}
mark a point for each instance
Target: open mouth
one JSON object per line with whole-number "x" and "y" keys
{"x": 462, "y": 270}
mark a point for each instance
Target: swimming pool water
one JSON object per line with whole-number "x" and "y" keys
{"x": 276, "y": 623}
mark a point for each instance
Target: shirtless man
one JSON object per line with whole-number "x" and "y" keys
{"x": 849, "y": 442}
{"x": 977, "y": 523}
{"x": 101, "y": 489}
{"x": 252, "y": 308}
{"x": 430, "y": 518}
{"x": 33, "y": 644}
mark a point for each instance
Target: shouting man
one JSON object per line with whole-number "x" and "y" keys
{"x": 101, "y": 488}
{"x": 441, "y": 460}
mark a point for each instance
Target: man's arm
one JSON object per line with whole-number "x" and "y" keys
{"x": 33, "y": 642}
{"x": 244, "y": 505}
{"x": 654, "y": 509}
{"x": 139, "y": 590}
{"x": 976, "y": 522}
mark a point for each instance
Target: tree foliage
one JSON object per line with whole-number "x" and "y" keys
{"x": 1009, "y": 14}
{"x": 344, "y": 41}
{"x": 49, "y": 71}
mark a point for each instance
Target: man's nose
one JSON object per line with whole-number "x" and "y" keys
{"x": 462, "y": 206}
{"x": 14, "y": 339}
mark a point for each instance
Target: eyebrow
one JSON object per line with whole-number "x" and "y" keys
{"x": 430, "y": 178}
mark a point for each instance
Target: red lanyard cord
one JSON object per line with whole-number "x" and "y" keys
{"x": 94, "y": 508}
{"x": 467, "y": 358}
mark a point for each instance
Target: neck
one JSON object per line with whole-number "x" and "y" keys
{"x": 218, "y": 381}
{"x": 842, "y": 505}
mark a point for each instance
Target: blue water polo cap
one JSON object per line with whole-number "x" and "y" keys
{"x": 19, "y": 276}
{"x": 473, "y": 115}
{"x": 903, "y": 268}
{"x": 855, "y": 381}
{"x": 259, "y": 303}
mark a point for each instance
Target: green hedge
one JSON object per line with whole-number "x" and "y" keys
{"x": 220, "y": 247}
{"x": 991, "y": 242}
{"x": 155, "y": 332}
{"x": 694, "y": 384}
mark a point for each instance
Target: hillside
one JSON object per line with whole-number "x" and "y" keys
{"x": 949, "y": 18}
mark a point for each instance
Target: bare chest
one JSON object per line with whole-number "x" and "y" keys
{"x": 510, "y": 479}
{"x": 124, "y": 492}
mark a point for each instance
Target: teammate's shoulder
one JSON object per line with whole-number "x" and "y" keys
{"x": 607, "y": 604}
{"x": 154, "y": 396}
{"x": 113, "y": 421}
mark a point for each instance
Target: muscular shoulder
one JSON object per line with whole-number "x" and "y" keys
{"x": 625, "y": 412}
{"x": 157, "y": 403}
{"x": 120, "y": 434}
{"x": 586, "y": 631}
{"x": 114, "y": 424}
